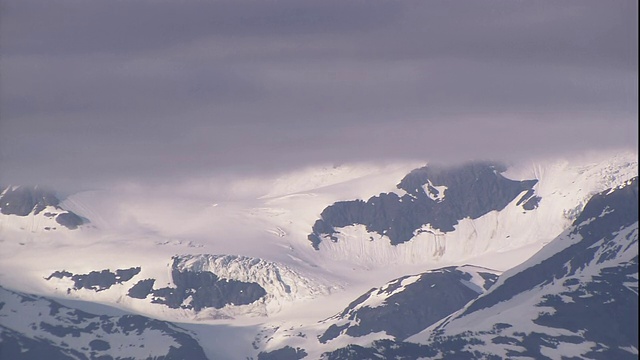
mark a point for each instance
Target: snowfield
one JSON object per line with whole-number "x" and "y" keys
{"x": 256, "y": 231}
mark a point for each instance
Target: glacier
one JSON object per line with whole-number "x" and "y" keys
{"x": 186, "y": 242}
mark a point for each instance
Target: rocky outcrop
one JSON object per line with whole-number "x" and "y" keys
{"x": 435, "y": 196}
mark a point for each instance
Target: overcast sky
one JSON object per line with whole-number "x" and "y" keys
{"x": 100, "y": 91}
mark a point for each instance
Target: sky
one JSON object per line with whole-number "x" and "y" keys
{"x": 97, "y": 92}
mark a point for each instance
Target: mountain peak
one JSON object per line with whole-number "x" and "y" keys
{"x": 33, "y": 200}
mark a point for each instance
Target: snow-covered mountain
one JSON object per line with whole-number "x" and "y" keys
{"x": 35, "y": 209}
{"x": 199, "y": 286}
{"x": 397, "y": 310}
{"x": 34, "y": 327}
{"x": 435, "y": 199}
{"x": 480, "y": 208}
{"x": 352, "y": 259}
{"x": 576, "y": 298}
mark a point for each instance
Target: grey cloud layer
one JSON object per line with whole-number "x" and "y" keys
{"x": 97, "y": 90}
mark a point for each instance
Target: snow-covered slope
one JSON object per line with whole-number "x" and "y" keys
{"x": 34, "y": 209}
{"x": 488, "y": 213}
{"x": 235, "y": 253}
{"x": 408, "y": 304}
{"x": 283, "y": 285}
{"x": 397, "y": 310}
{"x": 33, "y": 327}
{"x": 200, "y": 286}
{"x": 576, "y": 298}
{"x": 468, "y": 191}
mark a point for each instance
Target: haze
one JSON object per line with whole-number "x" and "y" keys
{"x": 97, "y": 92}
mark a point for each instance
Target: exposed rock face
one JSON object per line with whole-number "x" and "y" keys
{"x": 141, "y": 289}
{"x": 69, "y": 220}
{"x": 203, "y": 281}
{"x": 399, "y": 309}
{"x": 286, "y": 353}
{"x": 193, "y": 289}
{"x": 205, "y": 289}
{"x": 33, "y": 328}
{"x": 436, "y": 196}
{"x": 215, "y": 281}
{"x": 23, "y": 201}
{"x": 576, "y": 298}
{"x": 97, "y": 280}
{"x": 407, "y": 305}
{"x": 597, "y": 223}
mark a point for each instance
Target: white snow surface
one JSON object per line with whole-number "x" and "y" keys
{"x": 34, "y": 224}
{"x": 306, "y": 336}
{"x": 26, "y": 317}
{"x": 521, "y": 310}
{"x": 269, "y": 220}
{"x": 437, "y": 195}
{"x": 563, "y": 186}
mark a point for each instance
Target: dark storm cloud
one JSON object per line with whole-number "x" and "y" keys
{"x": 80, "y": 27}
{"x": 108, "y": 90}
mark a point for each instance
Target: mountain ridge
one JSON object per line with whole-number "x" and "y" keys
{"x": 334, "y": 293}
{"x": 580, "y": 301}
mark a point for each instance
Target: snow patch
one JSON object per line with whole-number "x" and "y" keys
{"x": 434, "y": 192}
